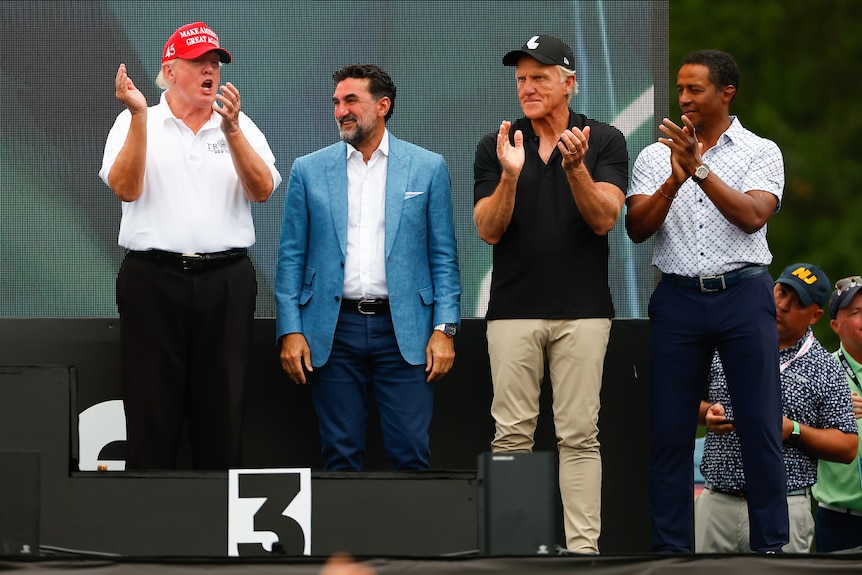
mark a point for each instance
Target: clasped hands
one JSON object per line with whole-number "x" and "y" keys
{"x": 573, "y": 145}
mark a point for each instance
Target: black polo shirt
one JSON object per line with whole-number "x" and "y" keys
{"x": 549, "y": 264}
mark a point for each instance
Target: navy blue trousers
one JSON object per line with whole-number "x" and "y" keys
{"x": 366, "y": 361}
{"x": 686, "y": 328}
{"x": 834, "y": 531}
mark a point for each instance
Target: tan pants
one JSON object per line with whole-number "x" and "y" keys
{"x": 575, "y": 351}
{"x": 721, "y": 524}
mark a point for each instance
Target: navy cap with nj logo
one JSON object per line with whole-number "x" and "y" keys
{"x": 808, "y": 281}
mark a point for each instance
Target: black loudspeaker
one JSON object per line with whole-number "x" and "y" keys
{"x": 20, "y": 491}
{"x": 517, "y": 493}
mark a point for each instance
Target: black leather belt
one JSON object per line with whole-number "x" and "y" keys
{"x": 366, "y": 306}
{"x": 731, "y": 492}
{"x": 741, "y": 492}
{"x": 707, "y": 284}
{"x": 191, "y": 262}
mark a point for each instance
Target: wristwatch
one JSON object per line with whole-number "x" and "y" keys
{"x": 793, "y": 438}
{"x": 450, "y": 329}
{"x": 701, "y": 173}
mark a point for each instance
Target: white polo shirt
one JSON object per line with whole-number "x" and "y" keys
{"x": 192, "y": 200}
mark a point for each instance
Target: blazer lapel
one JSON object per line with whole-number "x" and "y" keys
{"x": 336, "y": 177}
{"x": 397, "y": 177}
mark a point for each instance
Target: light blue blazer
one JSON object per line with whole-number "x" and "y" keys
{"x": 422, "y": 272}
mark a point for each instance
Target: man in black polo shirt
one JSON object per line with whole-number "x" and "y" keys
{"x": 548, "y": 189}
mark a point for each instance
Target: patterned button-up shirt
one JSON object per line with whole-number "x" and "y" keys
{"x": 695, "y": 238}
{"x": 814, "y": 392}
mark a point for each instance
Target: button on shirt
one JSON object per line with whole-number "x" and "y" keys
{"x": 365, "y": 265}
{"x": 814, "y": 393}
{"x": 695, "y": 238}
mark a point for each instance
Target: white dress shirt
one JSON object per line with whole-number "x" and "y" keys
{"x": 365, "y": 265}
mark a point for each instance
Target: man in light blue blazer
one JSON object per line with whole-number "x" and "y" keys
{"x": 367, "y": 287}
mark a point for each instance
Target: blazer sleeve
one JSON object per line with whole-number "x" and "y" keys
{"x": 443, "y": 248}
{"x": 292, "y": 251}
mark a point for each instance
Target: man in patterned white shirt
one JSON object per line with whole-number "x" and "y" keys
{"x": 818, "y": 423}
{"x": 706, "y": 190}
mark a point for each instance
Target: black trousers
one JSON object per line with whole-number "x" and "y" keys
{"x": 186, "y": 339}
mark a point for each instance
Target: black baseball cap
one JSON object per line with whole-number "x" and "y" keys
{"x": 845, "y": 290}
{"x": 545, "y": 49}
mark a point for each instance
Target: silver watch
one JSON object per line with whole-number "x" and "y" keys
{"x": 701, "y": 173}
{"x": 449, "y": 329}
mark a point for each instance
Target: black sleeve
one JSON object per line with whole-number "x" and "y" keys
{"x": 486, "y": 168}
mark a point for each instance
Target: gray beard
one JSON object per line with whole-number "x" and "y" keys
{"x": 355, "y": 137}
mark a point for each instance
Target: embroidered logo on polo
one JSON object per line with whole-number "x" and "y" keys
{"x": 219, "y": 147}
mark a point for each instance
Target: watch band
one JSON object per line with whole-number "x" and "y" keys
{"x": 450, "y": 329}
{"x": 793, "y": 438}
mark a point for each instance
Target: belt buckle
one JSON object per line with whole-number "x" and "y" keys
{"x": 191, "y": 262}
{"x": 705, "y": 289}
{"x": 365, "y": 301}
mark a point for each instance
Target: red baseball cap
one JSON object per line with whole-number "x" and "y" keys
{"x": 191, "y": 41}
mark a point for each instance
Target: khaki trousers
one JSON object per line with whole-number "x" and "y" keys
{"x": 721, "y": 523}
{"x": 575, "y": 352}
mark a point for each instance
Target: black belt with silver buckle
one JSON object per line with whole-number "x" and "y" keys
{"x": 366, "y": 306}
{"x": 191, "y": 262}
{"x": 708, "y": 284}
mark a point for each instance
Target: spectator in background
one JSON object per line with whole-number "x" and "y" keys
{"x": 838, "y": 523}
{"x": 818, "y": 423}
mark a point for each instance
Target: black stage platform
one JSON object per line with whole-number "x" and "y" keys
{"x": 604, "y": 565}
{"x": 51, "y": 370}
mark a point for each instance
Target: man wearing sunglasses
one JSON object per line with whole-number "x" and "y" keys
{"x": 838, "y": 523}
{"x": 818, "y": 423}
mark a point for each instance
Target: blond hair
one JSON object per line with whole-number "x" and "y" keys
{"x": 565, "y": 73}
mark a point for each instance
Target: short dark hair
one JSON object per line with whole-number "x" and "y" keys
{"x": 380, "y": 84}
{"x": 723, "y": 70}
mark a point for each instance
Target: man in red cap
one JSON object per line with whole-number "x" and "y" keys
{"x": 186, "y": 171}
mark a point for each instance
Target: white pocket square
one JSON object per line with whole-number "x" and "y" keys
{"x": 409, "y": 195}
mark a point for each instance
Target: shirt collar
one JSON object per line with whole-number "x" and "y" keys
{"x": 526, "y": 126}
{"x": 855, "y": 365}
{"x": 733, "y": 132}
{"x": 795, "y": 347}
{"x": 163, "y": 112}
{"x": 383, "y": 147}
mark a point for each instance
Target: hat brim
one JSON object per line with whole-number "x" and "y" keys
{"x": 804, "y": 297}
{"x": 223, "y": 55}
{"x": 511, "y": 59}
{"x": 843, "y": 301}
